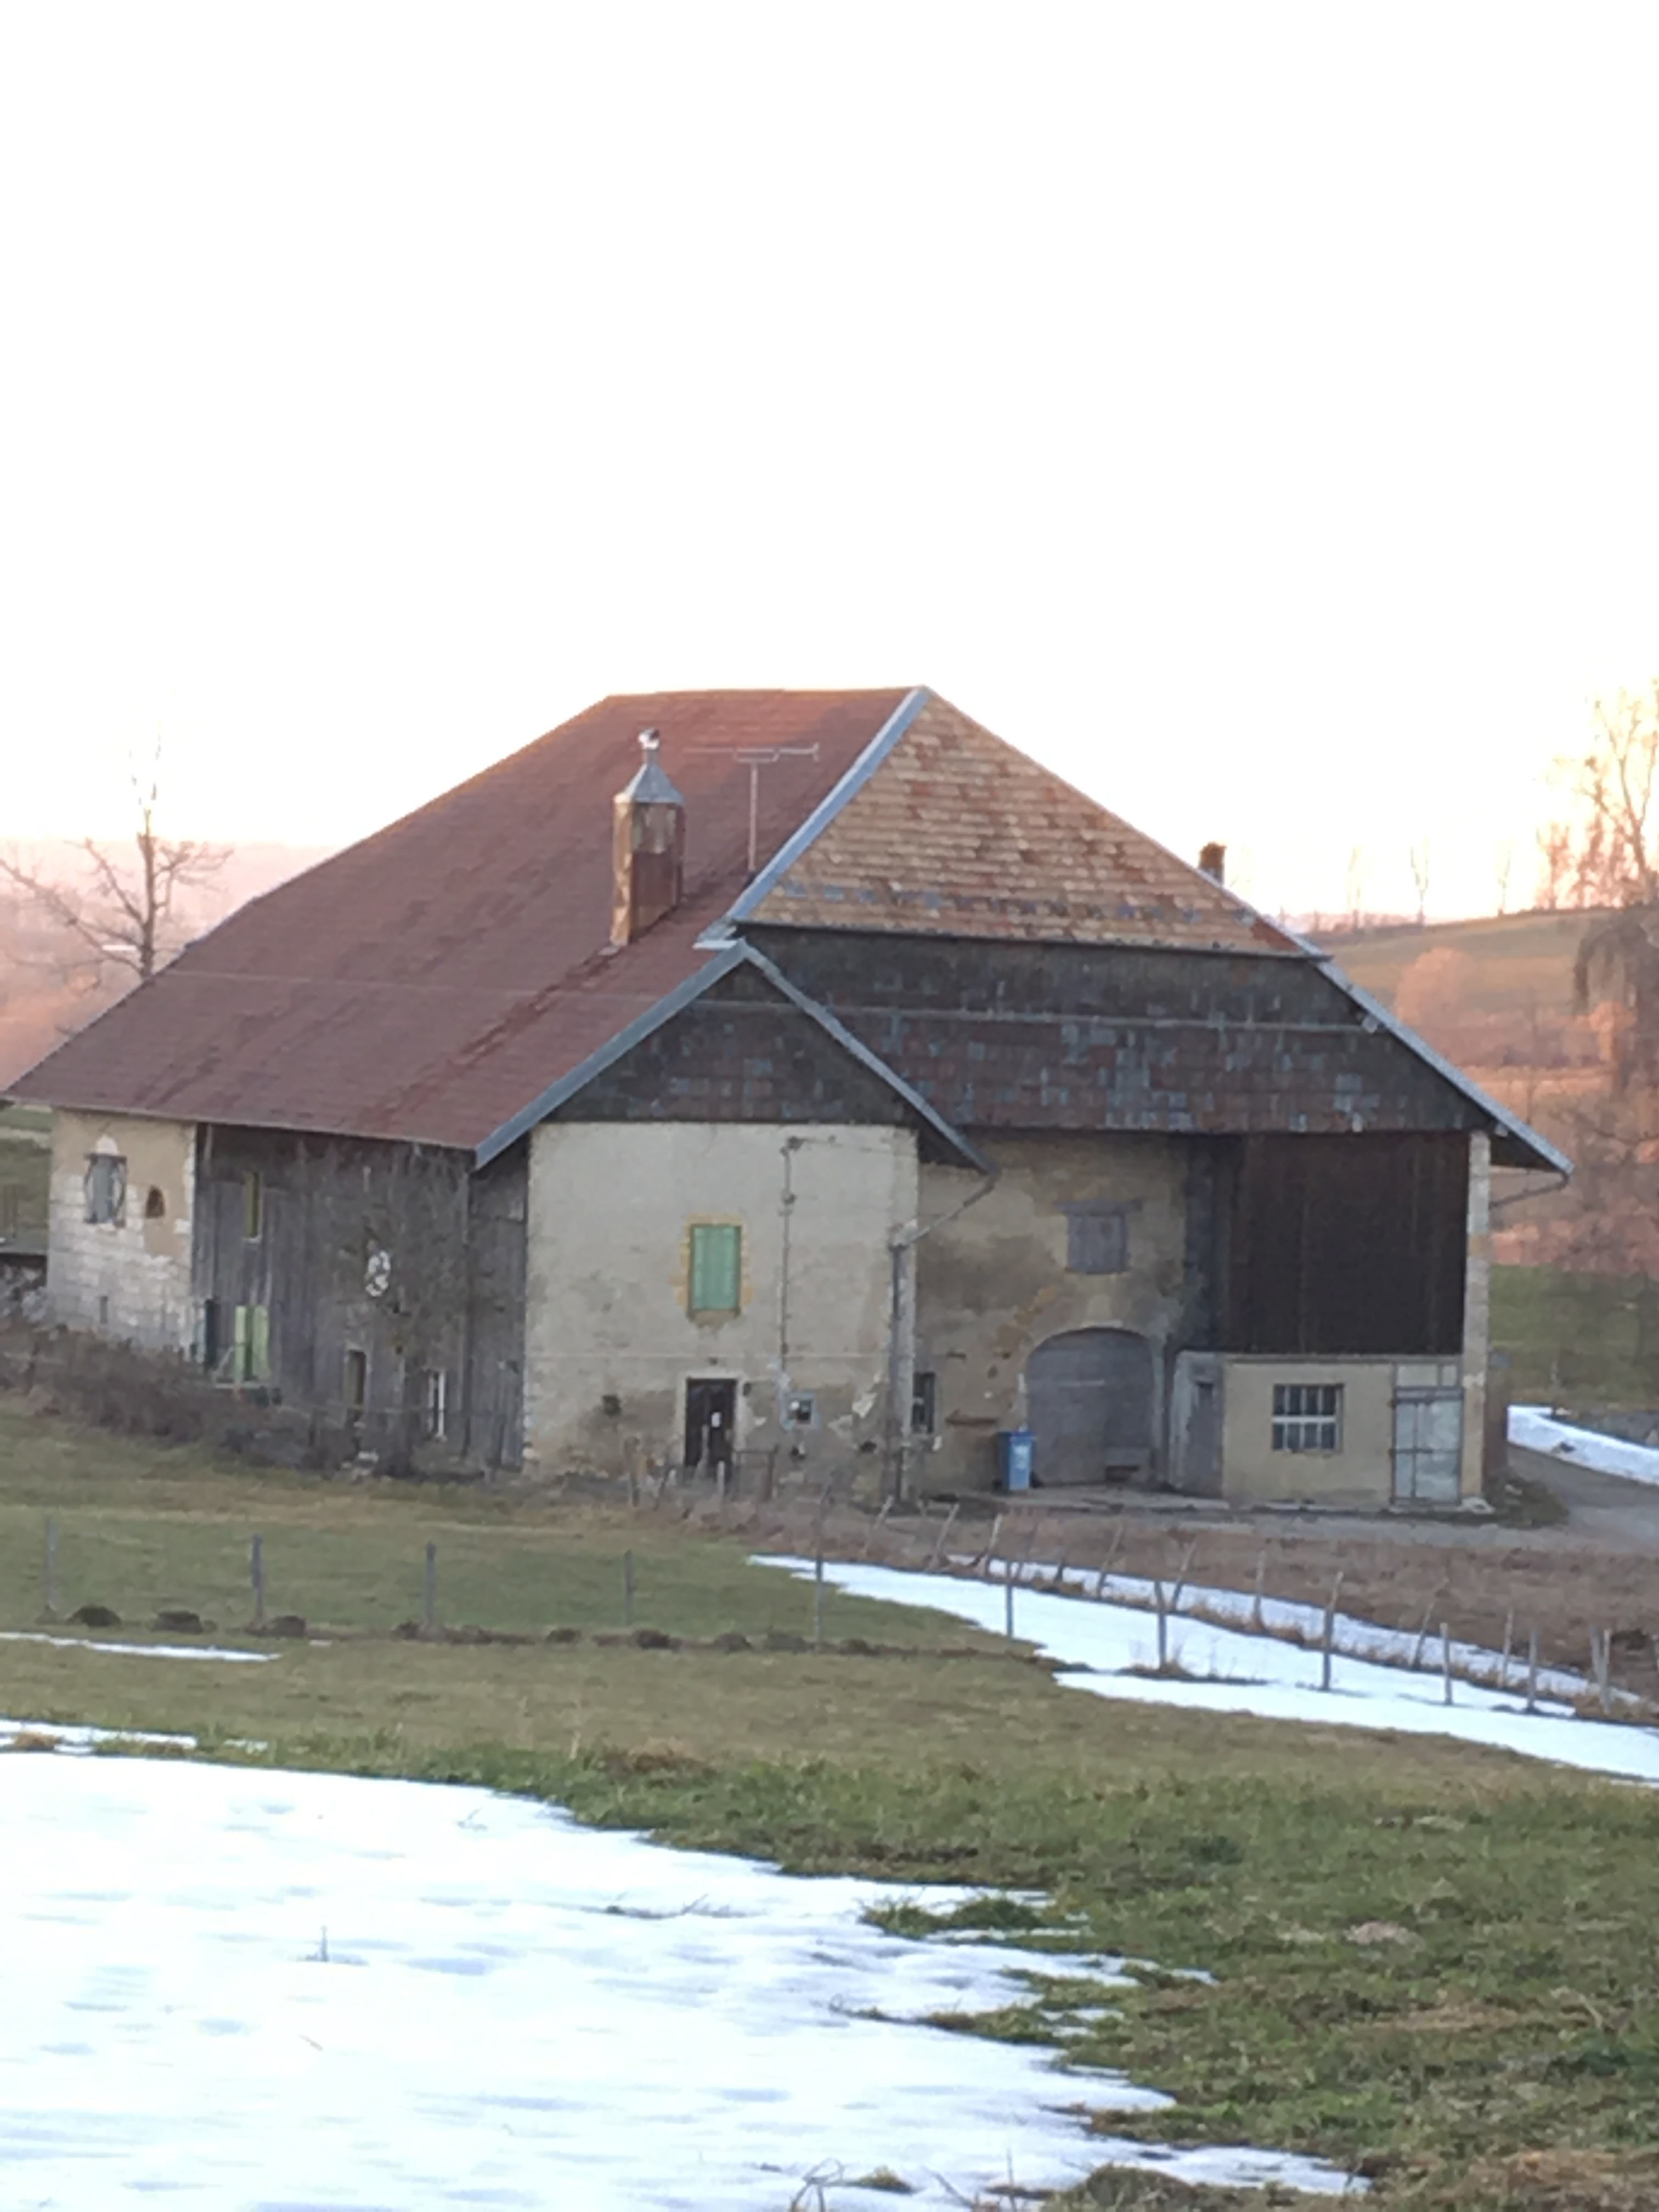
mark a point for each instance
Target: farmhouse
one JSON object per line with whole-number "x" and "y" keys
{"x": 814, "y": 1075}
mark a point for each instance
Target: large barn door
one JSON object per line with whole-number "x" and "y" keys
{"x": 1090, "y": 1397}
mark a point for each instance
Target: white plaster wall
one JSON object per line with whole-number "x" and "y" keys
{"x": 611, "y": 1209}
{"x": 129, "y": 1280}
{"x": 1361, "y": 1475}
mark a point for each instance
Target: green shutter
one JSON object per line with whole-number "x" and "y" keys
{"x": 259, "y": 1360}
{"x": 243, "y": 1341}
{"x": 716, "y": 1266}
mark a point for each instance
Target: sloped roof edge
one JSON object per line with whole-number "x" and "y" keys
{"x": 861, "y": 1052}
{"x": 1547, "y": 1155}
{"x": 824, "y": 813}
{"x": 673, "y": 1002}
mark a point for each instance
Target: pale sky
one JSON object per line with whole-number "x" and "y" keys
{"x": 1250, "y": 410}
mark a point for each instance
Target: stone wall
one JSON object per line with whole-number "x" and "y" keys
{"x": 129, "y": 1278}
{"x": 995, "y": 1281}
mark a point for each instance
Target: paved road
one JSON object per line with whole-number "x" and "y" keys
{"x": 1601, "y": 1508}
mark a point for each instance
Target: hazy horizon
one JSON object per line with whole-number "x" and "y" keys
{"x": 1231, "y": 408}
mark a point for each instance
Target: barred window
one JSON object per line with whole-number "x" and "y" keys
{"x": 1308, "y": 1417}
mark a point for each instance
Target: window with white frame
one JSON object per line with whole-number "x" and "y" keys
{"x": 1308, "y": 1417}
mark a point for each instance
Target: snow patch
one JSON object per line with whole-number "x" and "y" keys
{"x": 1235, "y": 1672}
{"x": 1539, "y": 1431}
{"x": 259, "y": 1989}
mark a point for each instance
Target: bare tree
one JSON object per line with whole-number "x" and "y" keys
{"x": 1356, "y": 885}
{"x": 124, "y": 914}
{"x": 1420, "y": 877}
{"x": 1602, "y": 852}
{"x": 1503, "y": 864}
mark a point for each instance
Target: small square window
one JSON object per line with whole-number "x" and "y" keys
{"x": 106, "y": 1188}
{"x": 1308, "y": 1417}
{"x": 716, "y": 1283}
{"x": 1097, "y": 1239}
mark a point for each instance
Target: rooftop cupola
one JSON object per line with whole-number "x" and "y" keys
{"x": 647, "y": 847}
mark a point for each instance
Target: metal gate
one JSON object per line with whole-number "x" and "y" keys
{"x": 1089, "y": 1394}
{"x": 1428, "y": 1446}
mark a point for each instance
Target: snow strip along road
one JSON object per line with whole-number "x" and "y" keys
{"x": 259, "y": 1990}
{"x": 1538, "y": 1430}
{"x": 1097, "y": 1645}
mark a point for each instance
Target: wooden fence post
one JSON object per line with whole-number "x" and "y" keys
{"x": 875, "y": 1528}
{"x": 1445, "y": 1659}
{"x": 1330, "y": 1635}
{"x": 991, "y": 1547}
{"x": 818, "y": 1595}
{"x": 628, "y": 1589}
{"x": 430, "y": 1609}
{"x": 942, "y": 1538}
{"x": 51, "y": 1569}
{"x": 1163, "y": 1625}
{"x": 1532, "y": 1672}
{"x": 1008, "y": 1605}
{"x": 256, "y": 1570}
{"x": 1508, "y": 1644}
{"x": 1260, "y": 1579}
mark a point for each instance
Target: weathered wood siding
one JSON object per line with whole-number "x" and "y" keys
{"x": 396, "y": 1254}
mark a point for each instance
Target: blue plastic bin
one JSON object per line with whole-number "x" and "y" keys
{"x": 1014, "y": 1458}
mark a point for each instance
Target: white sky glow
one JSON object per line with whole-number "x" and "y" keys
{"x": 1249, "y": 411}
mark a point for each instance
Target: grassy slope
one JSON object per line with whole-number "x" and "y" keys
{"x": 1517, "y": 2010}
{"x": 1577, "y": 1339}
{"x": 1519, "y": 959}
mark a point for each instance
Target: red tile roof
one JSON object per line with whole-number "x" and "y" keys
{"x": 431, "y": 981}
{"x": 435, "y": 981}
{"x": 958, "y": 834}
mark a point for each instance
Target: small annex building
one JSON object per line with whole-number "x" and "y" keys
{"x": 816, "y": 1076}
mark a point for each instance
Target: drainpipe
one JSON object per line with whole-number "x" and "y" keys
{"x": 902, "y": 1334}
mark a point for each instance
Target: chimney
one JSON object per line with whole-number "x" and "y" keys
{"x": 1213, "y": 862}
{"x": 647, "y": 847}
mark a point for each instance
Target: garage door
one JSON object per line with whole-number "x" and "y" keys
{"x": 1090, "y": 1397}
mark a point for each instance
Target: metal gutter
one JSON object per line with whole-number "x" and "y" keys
{"x": 861, "y": 1052}
{"x": 759, "y": 887}
{"x": 731, "y": 957}
{"x": 1377, "y": 1011}
{"x": 624, "y": 1040}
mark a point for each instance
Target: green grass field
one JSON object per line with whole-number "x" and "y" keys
{"x": 1577, "y": 1340}
{"x": 1498, "y": 2046}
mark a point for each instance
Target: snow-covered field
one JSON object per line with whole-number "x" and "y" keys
{"x": 1239, "y": 1673}
{"x": 1537, "y": 1428}
{"x": 264, "y": 1992}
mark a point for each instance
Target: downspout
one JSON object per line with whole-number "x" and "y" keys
{"x": 901, "y": 1332}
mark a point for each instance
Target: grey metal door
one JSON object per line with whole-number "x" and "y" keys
{"x": 1428, "y": 1443}
{"x": 1090, "y": 1397}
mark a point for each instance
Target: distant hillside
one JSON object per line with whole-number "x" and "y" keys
{"x": 46, "y": 992}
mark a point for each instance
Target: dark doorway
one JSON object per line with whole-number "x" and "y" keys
{"x": 1089, "y": 1395}
{"x": 711, "y": 1412}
